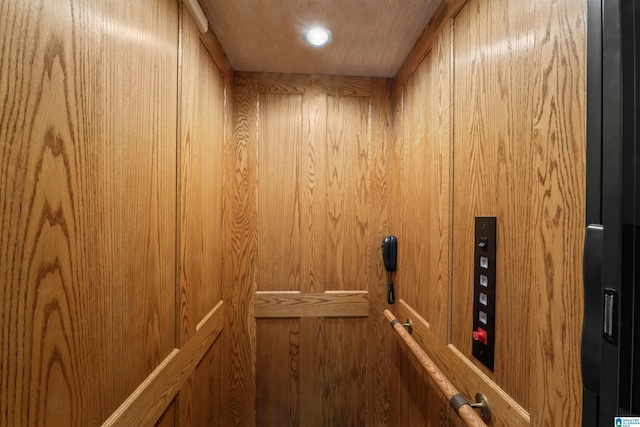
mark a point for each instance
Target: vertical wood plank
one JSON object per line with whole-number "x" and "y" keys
{"x": 425, "y": 187}
{"x": 207, "y": 388}
{"x": 278, "y": 192}
{"x": 420, "y": 403}
{"x": 277, "y": 372}
{"x": 342, "y": 372}
{"x": 239, "y": 270}
{"x": 314, "y": 234}
{"x": 378, "y": 343}
{"x": 423, "y": 194}
{"x": 312, "y": 139}
{"x": 558, "y": 159}
{"x": 202, "y": 116}
{"x": 313, "y": 185}
{"x": 347, "y": 181}
{"x": 395, "y": 211}
{"x": 493, "y": 45}
{"x": 87, "y": 190}
{"x": 228, "y": 192}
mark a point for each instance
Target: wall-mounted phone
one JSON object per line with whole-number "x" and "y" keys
{"x": 389, "y": 256}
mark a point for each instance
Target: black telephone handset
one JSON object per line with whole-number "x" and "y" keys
{"x": 389, "y": 256}
{"x": 390, "y": 252}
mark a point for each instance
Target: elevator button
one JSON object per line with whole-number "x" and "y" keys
{"x": 484, "y": 243}
{"x": 480, "y": 335}
{"x": 484, "y": 262}
{"x": 482, "y": 317}
{"x": 484, "y": 281}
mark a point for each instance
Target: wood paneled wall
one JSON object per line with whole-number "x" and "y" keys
{"x": 204, "y": 113}
{"x": 88, "y": 196}
{"x": 97, "y": 191}
{"x": 308, "y": 209}
{"x": 500, "y": 133}
{"x": 126, "y": 203}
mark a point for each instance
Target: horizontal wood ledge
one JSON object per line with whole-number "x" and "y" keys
{"x": 149, "y": 401}
{"x": 462, "y": 372}
{"x": 297, "y": 304}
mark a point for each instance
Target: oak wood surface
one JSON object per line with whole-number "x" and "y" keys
{"x": 425, "y": 193}
{"x": 379, "y": 358}
{"x": 278, "y": 197}
{"x": 467, "y": 377}
{"x": 87, "y": 205}
{"x": 309, "y": 221}
{"x": 297, "y": 304}
{"x": 240, "y": 247}
{"x": 202, "y": 126}
{"x": 558, "y": 205}
{"x": 202, "y": 120}
{"x": 423, "y": 45}
{"x": 218, "y": 55}
{"x": 442, "y": 382}
{"x": 517, "y": 148}
{"x": 422, "y": 212}
{"x": 278, "y": 348}
{"x": 155, "y": 393}
{"x": 492, "y": 164}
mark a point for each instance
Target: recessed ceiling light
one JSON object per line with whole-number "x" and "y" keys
{"x": 318, "y": 36}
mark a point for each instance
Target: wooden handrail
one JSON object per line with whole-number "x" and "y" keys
{"x": 470, "y": 417}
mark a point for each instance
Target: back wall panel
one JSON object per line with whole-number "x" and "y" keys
{"x": 308, "y": 289}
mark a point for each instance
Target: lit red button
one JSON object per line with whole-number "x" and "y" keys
{"x": 480, "y": 335}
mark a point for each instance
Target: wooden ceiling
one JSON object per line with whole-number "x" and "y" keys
{"x": 369, "y": 37}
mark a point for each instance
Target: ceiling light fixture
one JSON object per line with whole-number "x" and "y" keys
{"x": 318, "y": 36}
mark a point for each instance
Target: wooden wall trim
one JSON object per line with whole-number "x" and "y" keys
{"x": 213, "y": 46}
{"x": 463, "y": 373}
{"x": 446, "y": 10}
{"x": 446, "y": 387}
{"x": 148, "y": 402}
{"x": 297, "y": 304}
{"x": 292, "y": 84}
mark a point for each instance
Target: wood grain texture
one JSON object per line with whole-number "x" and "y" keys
{"x": 296, "y": 304}
{"x": 420, "y": 402}
{"x": 342, "y": 372}
{"x": 240, "y": 246}
{"x": 207, "y": 388}
{"x": 333, "y": 372}
{"x": 313, "y": 186}
{"x": 202, "y": 131}
{"x": 202, "y": 121}
{"x": 518, "y": 153}
{"x": 228, "y": 194}
{"x": 445, "y": 386}
{"x": 213, "y": 46}
{"x": 422, "y": 214}
{"x": 278, "y": 202}
{"x": 278, "y": 350}
{"x": 309, "y": 216}
{"x": 398, "y": 373}
{"x": 423, "y": 45}
{"x": 424, "y": 173}
{"x": 347, "y": 183}
{"x": 467, "y": 377}
{"x": 147, "y": 404}
{"x": 558, "y": 160}
{"x": 379, "y": 361}
{"x": 87, "y": 205}
{"x": 494, "y": 51}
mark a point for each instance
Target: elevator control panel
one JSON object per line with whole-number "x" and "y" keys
{"x": 484, "y": 290}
